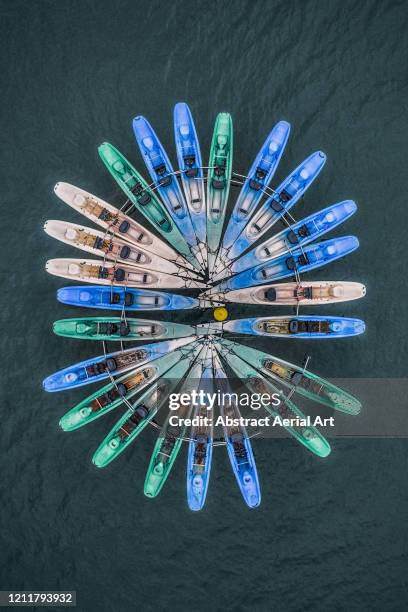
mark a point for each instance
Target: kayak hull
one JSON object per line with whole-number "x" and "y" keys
{"x": 117, "y": 329}
{"x": 191, "y": 168}
{"x": 119, "y": 298}
{"x": 259, "y": 176}
{"x": 117, "y": 275}
{"x": 285, "y": 196}
{"x": 293, "y": 294}
{"x": 311, "y": 327}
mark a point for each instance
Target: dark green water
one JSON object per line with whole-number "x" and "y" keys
{"x": 329, "y": 535}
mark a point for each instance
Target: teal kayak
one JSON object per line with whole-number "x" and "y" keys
{"x": 218, "y": 183}
{"x": 121, "y": 390}
{"x": 309, "y": 436}
{"x": 141, "y": 412}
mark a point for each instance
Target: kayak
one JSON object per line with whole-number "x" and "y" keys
{"x": 125, "y": 330}
{"x": 257, "y": 181}
{"x": 105, "y": 245}
{"x": 200, "y": 447}
{"x": 120, "y": 298}
{"x": 299, "y": 234}
{"x": 285, "y": 196}
{"x": 307, "y": 326}
{"x": 111, "y": 364}
{"x": 140, "y": 194}
{"x": 121, "y": 390}
{"x": 302, "y": 259}
{"x": 109, "y": 273}
{"x": 292, "y": 294}
{"x": 164, "y": 178}
{"x": 191, "y": 168}
{"x": 116, "y": 221}
{"x": 170, "y": 439}
{"x": 297, "y": 378}
{"x": 218, "y": 182}
{"x": 309, "y": 436}
{"x": 238, "y": 444}
{"x": 139, "y": 414}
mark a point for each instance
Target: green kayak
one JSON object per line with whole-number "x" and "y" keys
{"x": 115, "y": 328}
{"x": 309, "y": 436}
{"x": 170, "y": 440}
{"x": 218, "y": 182}
{"x": 121, "y": 390}
{"x": 140, "y": 194}
{"x": 297, "y": 378}
{"x": 142, "y": 411}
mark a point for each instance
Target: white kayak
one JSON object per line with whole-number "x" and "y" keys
{"x": 121, "y": 275}
{"x": 117, "y": 222}
{"x": 110, "y": 247}
{"x": 288, "y": 294}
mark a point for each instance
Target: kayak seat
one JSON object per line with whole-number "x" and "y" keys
{"x": 303, "y": 259}
{"x": 160, "y": 170}
{"x": 291, "y": 237}
{"x": 124, "y": 252}
{"x": 111, "y": 364}
{"x": 260, "y": 173}
{"x": 296, "y": 378}
{"x": 303, "y": 231}
{"x": 98, "y": 244}
{"x": 128, "y": 299}
{"x": 119, "y": 274}
{"x": 122, "y": 389}
{"x": 217, "y": 184}
{"x": 290, "y": 263}
{"x": 306, "y": 293}
{"x": 124, "y": 329}
{"x": 219, "y": 170}
{"x": 116, "y": 298}
{"x": 144, "y": 199}
{"x": 255, "y": 185}
{"x": 165, "y": 181}
{"x": 124, "y": 226}
{"x": 103, "y": 272}
{"x": 270, "y": 294}
{"x": 104, "y": 215}
{"x": 294, "y": 327}
{"x": 191, "y": 172}
{"x": 189, "y": 160}
{"x": 285, "y": 196}
{"x": 276, "y": 206}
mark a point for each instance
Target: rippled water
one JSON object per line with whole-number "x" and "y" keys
{"x": 329, "y": 535}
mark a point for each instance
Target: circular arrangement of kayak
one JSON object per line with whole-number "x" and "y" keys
{"x": 172, "y": 246}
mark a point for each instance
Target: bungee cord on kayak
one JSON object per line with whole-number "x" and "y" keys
{"x": 220, "y": 259}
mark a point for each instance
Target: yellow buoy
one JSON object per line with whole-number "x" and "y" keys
{"x": 220, "y": 313}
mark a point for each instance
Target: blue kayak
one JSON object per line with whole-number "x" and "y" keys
{"x": 310, "y": 327}
{"x": 200, "y": 447}
{"x": 238, "y": 444}
{"x": 118, "y": 298}
{"x": 191, "y": 168}
{"x": 285, "y": 196}
{"x": 300, "y": 260}
{"x": 259, "y": 176}
{"x": 162, "y": 173}
{"x": 299, "y": 234}
{"x": 104, "y": 366}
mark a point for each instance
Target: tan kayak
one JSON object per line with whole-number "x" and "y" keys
{"x": 109, "y": 246}
{"x": 121, "y": 275}
{"x": 292, "y": 294}
{"x": 116, "y": 221}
